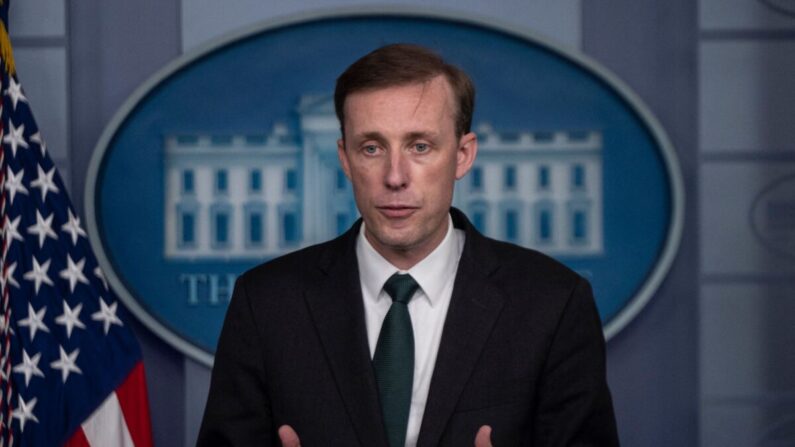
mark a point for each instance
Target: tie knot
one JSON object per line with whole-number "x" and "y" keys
{"x": 401, "y": 287}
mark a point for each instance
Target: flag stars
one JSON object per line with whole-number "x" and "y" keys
{"x": 11, "y": 229}
{"x": 14, "y": 183}
{"x": 43, "y": 228}
{"x": 29, "y": 367}
{"x": 74, "y": 273}
{"x": 44, "y": 182}
{"x": 73, "y": 228}
{"x": 36, "y": 138}
{"x": 39, "y": 274}
{"x": 24, "y": 412}
{"x": 35, "y": 321}
{"x": 107, "y": 315}
{"x": 70, "y": 318}
{"x": 5, "y": 327}
{"x": 67, "y": 363}
{"x": 98, "y": 273}
{"x": 14, "y": 90}
{"x": 8, "y": 275}
{"x": 14, "y": 137}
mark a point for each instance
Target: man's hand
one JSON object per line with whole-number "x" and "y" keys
{"x": 289, "y": 437}
{"x": 482, "y": 439}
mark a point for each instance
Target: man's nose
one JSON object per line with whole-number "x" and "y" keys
{"x": 397, "y": 173}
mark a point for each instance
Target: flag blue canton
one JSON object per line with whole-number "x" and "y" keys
{"x": 63, "y": 342}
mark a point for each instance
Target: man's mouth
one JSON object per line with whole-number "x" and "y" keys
{"x": 397, "y": 211}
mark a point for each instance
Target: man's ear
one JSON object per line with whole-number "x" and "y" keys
{"x": 343, "y": 156}
{"x": 467, "y": 151}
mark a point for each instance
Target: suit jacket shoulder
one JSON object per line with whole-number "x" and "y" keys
{"x": 300, "y": 266}
{"x": 530, "y": 281}
{"x": 523, "y": 343}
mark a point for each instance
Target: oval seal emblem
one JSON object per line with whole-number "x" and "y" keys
{"x": 227, "y": 157}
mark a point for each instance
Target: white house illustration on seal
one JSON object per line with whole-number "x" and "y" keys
{"x": 257, "y": 196}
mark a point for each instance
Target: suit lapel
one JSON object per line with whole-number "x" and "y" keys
{"x": 337, "y": 310}
{"x": 474, "y": 308}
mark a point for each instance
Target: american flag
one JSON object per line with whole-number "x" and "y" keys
{"x": 70, "y": 367}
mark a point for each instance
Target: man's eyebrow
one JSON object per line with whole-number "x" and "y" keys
{"x": 378, "y": 136}
{"x": 370, "y": 136}
{"x": 422, "y": 135}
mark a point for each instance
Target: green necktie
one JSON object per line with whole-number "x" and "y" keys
{"x": 393, "y": 361}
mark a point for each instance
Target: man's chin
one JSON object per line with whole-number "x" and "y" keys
{"x": 397, "y": 243}
{"x": 393, "y": 239}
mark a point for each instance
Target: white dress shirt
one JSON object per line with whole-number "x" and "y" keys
{"x": 428, "y": 308}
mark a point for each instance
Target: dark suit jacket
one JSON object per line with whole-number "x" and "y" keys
{"x": 522, "y": 350}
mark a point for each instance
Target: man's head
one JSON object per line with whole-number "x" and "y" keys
{"x": 404, "y": 144}
{"x": 403, "y": 64}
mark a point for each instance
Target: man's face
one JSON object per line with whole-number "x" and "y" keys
{"x": 401, "y": 153}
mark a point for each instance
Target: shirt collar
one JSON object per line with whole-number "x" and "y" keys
{"x": 431, "y": 273}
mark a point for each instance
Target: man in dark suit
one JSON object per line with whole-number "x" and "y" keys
{"x": 411, "y": 328}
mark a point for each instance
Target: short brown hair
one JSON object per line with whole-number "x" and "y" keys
{"x": 402, "y": 64}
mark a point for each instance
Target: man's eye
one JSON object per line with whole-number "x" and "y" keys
{"x": 370, "y": 149}
{"x": 421, "y": 147}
